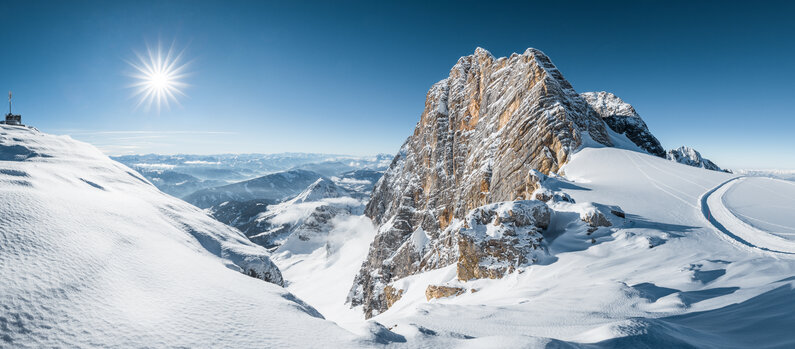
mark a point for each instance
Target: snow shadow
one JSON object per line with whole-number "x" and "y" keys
{"x": 652, "y": 292}
{"x": 13, "y": 173}
{"x": 707, "y": 276}
{"x": 557, "y": 184}
{"x": 691, "y": 297}
{"x": 638, "y": 222}
{"x": 764, "y": 321}
{"x": 95, "y": 185}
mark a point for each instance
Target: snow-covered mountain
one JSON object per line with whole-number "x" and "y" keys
{"x": 690, "y": 157}
{"x": 309, "y": 213}
{"x": 181, "y": 175}
{"x": 485, "y": 131}
{"x": 518, "y": 214}
{"x": 275, "y": 187}
{"x": 93, "y": 255}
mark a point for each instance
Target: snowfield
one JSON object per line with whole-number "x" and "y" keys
{"x": 93, "y": 255}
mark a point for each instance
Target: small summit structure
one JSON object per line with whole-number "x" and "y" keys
{"x": 12, "y": 119}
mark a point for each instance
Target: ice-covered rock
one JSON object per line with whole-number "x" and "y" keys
{"x": 689, "y": 156}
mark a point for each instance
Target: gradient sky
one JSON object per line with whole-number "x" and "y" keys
{"x": 346, "y": 77}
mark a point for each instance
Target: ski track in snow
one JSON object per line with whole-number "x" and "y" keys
{"x": 720, "y": 216}
{"x": 659, "y": 185}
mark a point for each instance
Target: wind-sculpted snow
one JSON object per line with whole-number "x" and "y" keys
{"x": 92, "y": 255}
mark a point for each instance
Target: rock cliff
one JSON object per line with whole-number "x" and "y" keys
{"x": 486, "y": 132}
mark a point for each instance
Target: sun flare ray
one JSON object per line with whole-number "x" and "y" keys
{"x": 158, "y": 74}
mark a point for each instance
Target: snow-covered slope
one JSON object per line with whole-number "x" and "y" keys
{"x": 663, "y": 277}
{"x": 92, "y": 255}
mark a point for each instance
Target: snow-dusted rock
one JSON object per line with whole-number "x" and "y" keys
{"x": 689, "y": 156}
{"x": 483, "y": 132}
{"x": 491, "y": 241}
{"x": 622, "y": 118}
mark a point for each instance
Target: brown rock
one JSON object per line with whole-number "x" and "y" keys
{"x": 434, "y": 291}
{"x": 392, "y": 295}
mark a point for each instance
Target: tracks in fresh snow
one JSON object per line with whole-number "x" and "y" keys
{"x": 724, "y": 220}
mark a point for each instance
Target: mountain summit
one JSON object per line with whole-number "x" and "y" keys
{"x": 488, "y": 133}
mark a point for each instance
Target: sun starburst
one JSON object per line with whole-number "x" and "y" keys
{"x": 159, "y": 74}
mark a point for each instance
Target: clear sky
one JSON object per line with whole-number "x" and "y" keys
{"x": 345, "y": 77}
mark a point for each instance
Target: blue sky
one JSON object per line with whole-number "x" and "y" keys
{"x": 348, "y": 77}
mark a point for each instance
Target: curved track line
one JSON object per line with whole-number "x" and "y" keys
{"x": 659, "y": 185}
{"x": 674, "y": 174}
{"x": 714, "y": 222}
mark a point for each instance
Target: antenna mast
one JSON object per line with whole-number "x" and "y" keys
{"x": 9, "y": 102}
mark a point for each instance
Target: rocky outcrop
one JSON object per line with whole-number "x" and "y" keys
{"x": 623, "y": 119}
{"x": 392, "y": 295}
{"x": 486, "y": 134}
{"x": 690, "y": 157}
{"x": 491, "y": 241}
{"x": 435, "y": 291}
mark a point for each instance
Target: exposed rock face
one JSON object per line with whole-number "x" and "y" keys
{"x": 487, "y": 132}
{"x": 689, "y": 156}
{"x": 434, "y": 291}
{"x": 491, "y": 241}
{"x": 622, "y": 118}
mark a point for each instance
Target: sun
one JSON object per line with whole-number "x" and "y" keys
{"x": 159, "y": 74}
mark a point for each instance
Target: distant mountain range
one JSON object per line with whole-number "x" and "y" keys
{"x": 182, "y": 175}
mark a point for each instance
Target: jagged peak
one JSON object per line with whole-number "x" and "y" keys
{"x": 322, "y": 188}
{"x": 602, "y": 100}
{"x": 689, "y": 156}
{"x": 482, "y": 52}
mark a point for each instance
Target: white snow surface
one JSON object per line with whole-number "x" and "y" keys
{"x": 666, "y": 277}
{"x": 92, "y": 255}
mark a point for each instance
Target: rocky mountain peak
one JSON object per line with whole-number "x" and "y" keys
{"x": 689, "y": 156}
{"x": 485, "y": 131}
{"x": 623, "y": 119}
